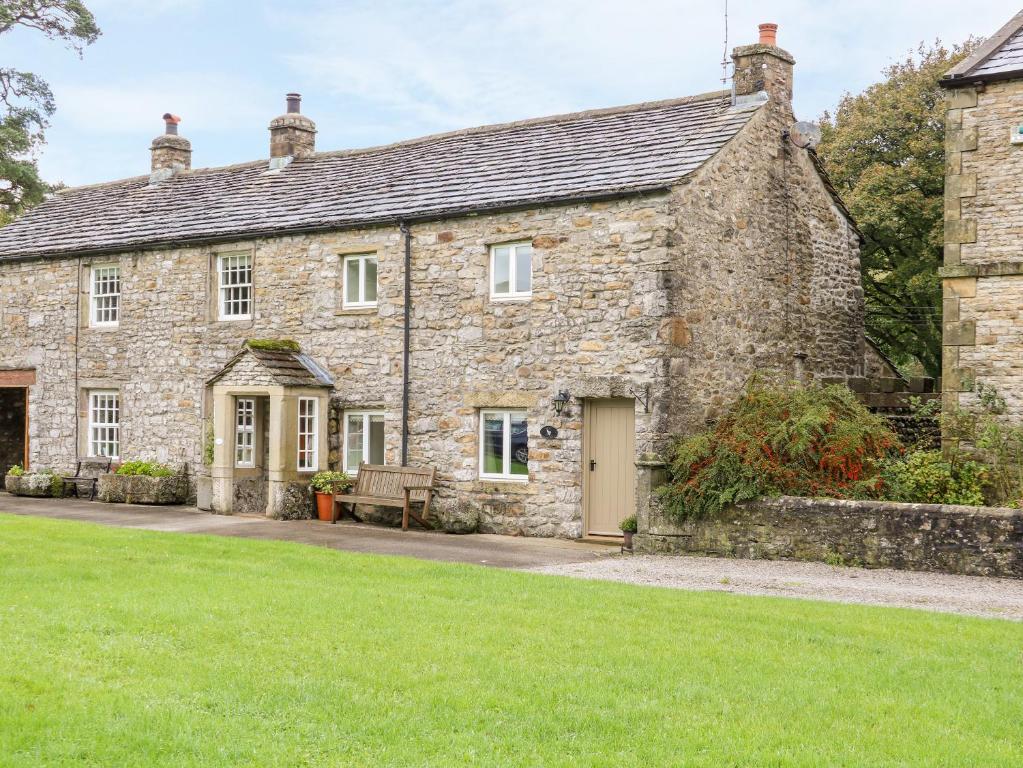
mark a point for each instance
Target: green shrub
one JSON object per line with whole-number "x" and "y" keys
{"x": 629, "y": 525}
{"x": 932, "y": 478}
{"x": 805, "y": 441}
{"x": 17, "y": 470}
{"x": 145, "y": 468}
{"x": 331, "y": 482}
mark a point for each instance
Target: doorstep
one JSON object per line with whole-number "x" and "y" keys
{"x": 610, "y": 541}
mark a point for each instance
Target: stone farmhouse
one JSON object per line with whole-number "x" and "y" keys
{"x": 527, "y": 307}
{"x": 983, "y": 271}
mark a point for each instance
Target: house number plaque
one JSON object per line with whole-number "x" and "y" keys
{"x": 548, "y": 432}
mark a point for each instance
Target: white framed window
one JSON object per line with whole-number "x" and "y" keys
{"x": 234, "y": 279}
{"x": 104, "y": 295}
{"x": 360, "y": 278}
{"x": 511, "y": 271}
{"x": 364, "y": 439}
{"x": 504, "y": 445}
{"x": 245, "y": 432}
{"x": 308, "y": 443}
{"x": 105, "y": 423}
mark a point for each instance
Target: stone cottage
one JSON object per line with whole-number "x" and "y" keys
{"x": 983, "y": 270}
{"x": 525, "y": 307}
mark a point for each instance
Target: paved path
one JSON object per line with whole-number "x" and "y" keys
{"x": 1002, "y": 598}
{"x": 484, "y": 549}
{"x": 973, "y": 595}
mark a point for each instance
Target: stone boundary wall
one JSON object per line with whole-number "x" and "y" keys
{"x": 976, "y": 541}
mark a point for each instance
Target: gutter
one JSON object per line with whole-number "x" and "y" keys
{"x": 405, "y": 379}
{"x": 966, "y": 81}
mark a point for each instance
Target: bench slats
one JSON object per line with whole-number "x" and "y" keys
{"x": 386, "y": 486}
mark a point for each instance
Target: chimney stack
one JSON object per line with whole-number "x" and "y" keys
{"x": 764, "y": 67}
{"x": 170, "y": 153}
{"x": 292, "y": 134}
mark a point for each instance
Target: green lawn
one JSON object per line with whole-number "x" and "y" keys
{"x": 127, "y": 648}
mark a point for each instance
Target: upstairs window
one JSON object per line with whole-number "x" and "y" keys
{"x": 308, "y": 460}
{"x": 105, "y": 423}
{"x": 245, "y": 432}
{"x": 504, "y": 445}
{"x": 364, "y": 439}
{"x": 234, "y": 273}
{"x": 105, "y": 295}
{"x": 360, "y": 277}
{"x": 511, "y": 271}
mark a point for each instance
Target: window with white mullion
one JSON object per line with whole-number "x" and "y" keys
{"x": 360, "y": 281}
{"x": 363, "y": 439}
{"x": 504, "y": 445}
{"x": 308, "y": 448}
{"x": 245, "y": 432}
{"x": 105, "y": 424}
{"x": 235, "y": 286}
{"x": 105, "y": 294}
{"x": 511, "y": 271}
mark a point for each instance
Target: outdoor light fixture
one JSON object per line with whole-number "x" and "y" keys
{"x": 561, "y": 401}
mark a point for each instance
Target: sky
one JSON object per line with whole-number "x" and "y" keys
{"x": 376, "y": 71}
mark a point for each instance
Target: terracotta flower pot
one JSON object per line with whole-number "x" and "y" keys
{"x": 627, "y": 536}
{"x": 324, "y": 505}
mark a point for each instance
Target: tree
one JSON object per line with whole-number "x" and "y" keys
{"x": 884, "y": 150}
{"x": 27, "y": 101}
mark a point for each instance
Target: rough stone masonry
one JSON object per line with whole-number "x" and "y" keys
{"x": 668, "y": 285}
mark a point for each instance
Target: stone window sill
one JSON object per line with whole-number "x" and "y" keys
{"x": 511, "y": 487}
{"x": 356, "y": 311}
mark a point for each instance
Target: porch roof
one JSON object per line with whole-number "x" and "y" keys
{"x": 285, "y": 365}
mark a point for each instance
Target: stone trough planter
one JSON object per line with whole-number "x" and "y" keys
{"x": 34, "y": 484}
{"x": 140, "y": 489}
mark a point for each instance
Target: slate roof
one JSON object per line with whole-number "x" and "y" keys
{"x": 288, "y": 369}
{"x": 999, "y": 57}
{"x": 587, "y": 155}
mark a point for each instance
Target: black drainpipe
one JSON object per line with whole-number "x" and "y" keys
{"x": 407, "y": 234}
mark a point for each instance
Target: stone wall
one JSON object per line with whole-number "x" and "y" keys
{"x": 684, "y": 294}
{"x": 975, "y": 541}
{"x": 983, "y": 285}
{"x": 768, "y": 275}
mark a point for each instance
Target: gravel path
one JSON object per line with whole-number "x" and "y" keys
{"x": 972, "y": 595}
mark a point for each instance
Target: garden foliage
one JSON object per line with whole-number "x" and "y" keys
{"x": 145, "y": 468}
{"x": 802, "y": 441}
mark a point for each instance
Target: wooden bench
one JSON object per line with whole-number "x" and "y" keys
{"x": 385, "y": 486}
{"x": 87, "y": 472}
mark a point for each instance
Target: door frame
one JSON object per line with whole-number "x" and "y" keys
{"x": 24, "y": 425}
{"x": 588, "y": 405}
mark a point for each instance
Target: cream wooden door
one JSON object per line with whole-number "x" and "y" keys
{"x": 609, "y": 464}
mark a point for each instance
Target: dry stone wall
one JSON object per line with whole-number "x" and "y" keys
{"x": 975, "y": 541}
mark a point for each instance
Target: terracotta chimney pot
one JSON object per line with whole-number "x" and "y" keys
{"x": 769, "y": 34}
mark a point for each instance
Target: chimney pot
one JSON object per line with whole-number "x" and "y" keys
{"x": 769, "y": 34}
{"x": 294, "y": 103}
{"x": 171, "y": 122}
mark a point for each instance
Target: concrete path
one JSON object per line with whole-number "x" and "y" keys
{"x": 971, "y": 595}
{"x": 482, "y": 549}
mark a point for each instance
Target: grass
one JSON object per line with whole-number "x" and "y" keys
{"x": 122, "y": 647}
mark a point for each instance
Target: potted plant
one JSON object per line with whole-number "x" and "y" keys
{"x": 628, "y": 526}
{"x": 326, "y": 485}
